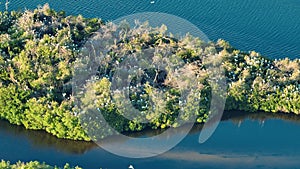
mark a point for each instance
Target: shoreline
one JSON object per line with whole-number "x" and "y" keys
{"x": 227, "y": 116}
{"x": 39, "y": 100}
{"x": 235, "y": 117}
{"x": 32, "y": 164}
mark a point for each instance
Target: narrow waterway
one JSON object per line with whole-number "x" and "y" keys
{"x": 244, "y": 140}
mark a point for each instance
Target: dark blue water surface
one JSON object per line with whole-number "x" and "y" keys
{"x": 243, "y": 141}
{"x": 271, "y": 27}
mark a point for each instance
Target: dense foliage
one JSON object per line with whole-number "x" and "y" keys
{"x": 31, "y": 165}
{"x": 39, "y": 48}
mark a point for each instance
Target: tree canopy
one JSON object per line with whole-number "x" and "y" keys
{"x": 38, "y": 50}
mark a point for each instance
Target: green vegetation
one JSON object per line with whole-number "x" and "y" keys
{"x": 31, "y": 165}
{"x": 38, "y": 50}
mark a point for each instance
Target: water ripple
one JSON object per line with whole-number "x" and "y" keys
{"x": 268, "y": 26}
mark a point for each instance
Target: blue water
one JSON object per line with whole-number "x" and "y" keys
{"x": 248, "y": 142}
{"x": 271, "y": 27}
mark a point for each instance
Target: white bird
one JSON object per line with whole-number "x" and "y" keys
{"x": 130, "y": 167}
{"x": 152, "y": 2}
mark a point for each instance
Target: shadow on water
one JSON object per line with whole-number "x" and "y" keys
{"x": 40, "y": 139}
{"x": 237, "y": 117}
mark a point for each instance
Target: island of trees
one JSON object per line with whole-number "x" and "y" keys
{"x": 38, "y": 50}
